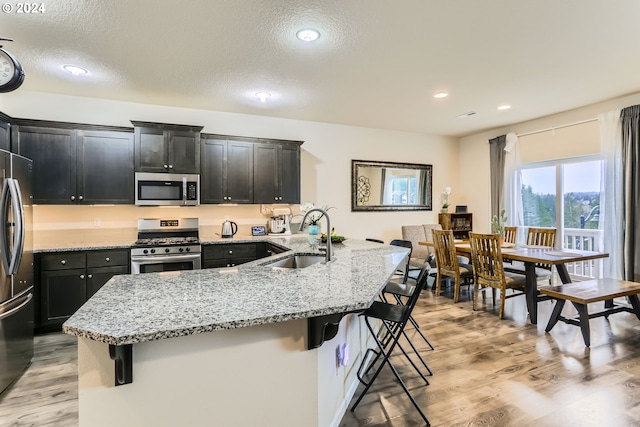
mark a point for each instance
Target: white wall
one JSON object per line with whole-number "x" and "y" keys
{"x": 325, "y": 161}
{"x": 474, "y": 169}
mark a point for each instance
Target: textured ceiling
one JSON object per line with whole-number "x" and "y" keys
{"x": 377, "y": 62}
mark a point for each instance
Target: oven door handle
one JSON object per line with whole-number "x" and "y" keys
{"x": 146, "y": 259}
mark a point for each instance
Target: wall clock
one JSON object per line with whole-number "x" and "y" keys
{"x": 11, "y": 72}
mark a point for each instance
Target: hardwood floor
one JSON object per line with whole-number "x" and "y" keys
{"x": 47, "y": 392}
{"x": 487, "y": 372}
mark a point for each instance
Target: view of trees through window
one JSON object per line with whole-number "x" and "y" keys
{"x": 580, "y": 183}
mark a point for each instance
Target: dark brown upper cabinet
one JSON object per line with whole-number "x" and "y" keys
{"x": 105, "y": 167}
{"x": 276, "y": 173}
{"x": 77, "y": 166}
{"x": 5, "y": 132}
{"x": 163, "y": 147}
{"x": 227, "y": 170}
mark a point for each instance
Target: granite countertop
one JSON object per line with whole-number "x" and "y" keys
{"x": 82, "y": 247}
{"x": 131, "y": 309}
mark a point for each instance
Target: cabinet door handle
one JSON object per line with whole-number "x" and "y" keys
{"x": 170, "y": 166}
{"x": 107, "y": 259}
{"x": 166, "y": 166}
{"x": 230, "y": 252}
{"x": 90, "y": 276}
{"x": 63, "y": 262}
{"x": 82, "y": 276}
{"x": 73, "y": 198}
{"x": 81, "y": 197}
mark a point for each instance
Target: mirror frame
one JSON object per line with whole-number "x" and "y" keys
{"x": 355, "y": 164}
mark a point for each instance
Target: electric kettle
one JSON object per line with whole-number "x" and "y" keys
{"x": 229, "y": 229}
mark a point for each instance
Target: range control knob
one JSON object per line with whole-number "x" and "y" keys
{"x": 167, "y": 250}
{"x": 188, "y": 249}
{"x": 146, "y": 251}
{"x": 153, "y": 251}
{"x": 181, "y": 249}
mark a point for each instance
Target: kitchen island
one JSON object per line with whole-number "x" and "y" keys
{"x": 229, "y": 346}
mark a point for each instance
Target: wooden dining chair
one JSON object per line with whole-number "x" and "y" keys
{"x": 536, "y": 236}
{"x": 447, "y": 262}
{"x": 510, "y": 234}
{"x": 488, "y": 270}
{"x": 541, "y": 236}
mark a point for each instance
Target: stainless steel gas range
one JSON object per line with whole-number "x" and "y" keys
{"x": 166, "y": 245}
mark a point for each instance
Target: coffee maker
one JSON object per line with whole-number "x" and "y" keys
{"x": 279, "y": 224}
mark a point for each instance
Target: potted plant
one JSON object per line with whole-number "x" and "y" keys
{"x": 444, "y": 197}
{"x": 498, "y": 223}
{"x": 313, "y": 220}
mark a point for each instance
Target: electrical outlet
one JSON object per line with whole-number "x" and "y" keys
{"x": 96, "y": 222}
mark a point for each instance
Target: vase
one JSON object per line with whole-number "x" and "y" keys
{"x": 314, "y": 234}
{"x": 445, "y": 210}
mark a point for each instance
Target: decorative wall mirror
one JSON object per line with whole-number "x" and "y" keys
{"x": 390, "y": 186}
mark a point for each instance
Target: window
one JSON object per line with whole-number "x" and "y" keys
{"x": 578, "y": 180}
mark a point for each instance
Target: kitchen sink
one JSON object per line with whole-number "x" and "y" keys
{"x": 296, "y": 261}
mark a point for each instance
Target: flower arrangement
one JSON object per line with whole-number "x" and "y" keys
{"x": 498, "y": 223}
{"x": 444, "y": 198}
{"x": 315, "y": 217}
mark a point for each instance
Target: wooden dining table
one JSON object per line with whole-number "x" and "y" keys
{"x": 531, "y": 255}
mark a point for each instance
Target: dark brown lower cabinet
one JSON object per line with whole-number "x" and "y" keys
{"x": 64, "y": 291}
{"x": 68, "y": 279}
{"x": 232, "y": 254}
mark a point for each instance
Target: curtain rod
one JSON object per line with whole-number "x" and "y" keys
{"x": 557, "y": 127}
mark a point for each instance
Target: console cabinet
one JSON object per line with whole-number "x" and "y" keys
{"x": 460, "y": 223}
{"x": 169, "y": 148}
{"x": 68, "y": 279}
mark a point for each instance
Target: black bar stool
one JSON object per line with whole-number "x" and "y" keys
{"x": 394, "y": 318}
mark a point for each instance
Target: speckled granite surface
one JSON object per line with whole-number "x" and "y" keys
{"x": 96, "y": 247}
{"x": 137, "y": 308}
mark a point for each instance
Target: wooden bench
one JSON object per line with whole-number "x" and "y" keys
{"x": 583, "y": 293}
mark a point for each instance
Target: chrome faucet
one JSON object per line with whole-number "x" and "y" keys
{"x": 329, "y": 254}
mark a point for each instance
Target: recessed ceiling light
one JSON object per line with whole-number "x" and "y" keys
{"x": 75, "y": 70}
{"x": 504, "y": 107}
{"x": 263, "y": 96}
{"x": 440, "y": 95}
{"x": 308, "y": 35}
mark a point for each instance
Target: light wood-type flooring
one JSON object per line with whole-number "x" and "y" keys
{"x": 487, "y": 372}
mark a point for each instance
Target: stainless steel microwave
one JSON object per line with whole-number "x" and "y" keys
{"x": 167, "y": 189}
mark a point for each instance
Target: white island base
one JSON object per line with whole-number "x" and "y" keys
{"x": 253, "y": 376}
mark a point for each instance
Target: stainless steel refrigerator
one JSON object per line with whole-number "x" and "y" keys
{"x": 16, "y": 267}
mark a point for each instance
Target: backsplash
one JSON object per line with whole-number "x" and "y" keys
{"x": 57, "y": 225}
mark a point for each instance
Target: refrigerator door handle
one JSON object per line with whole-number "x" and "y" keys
{"x": 4, "y": 224}
{"x": 18, "y": 233}
{"x": 13, "y": 310}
